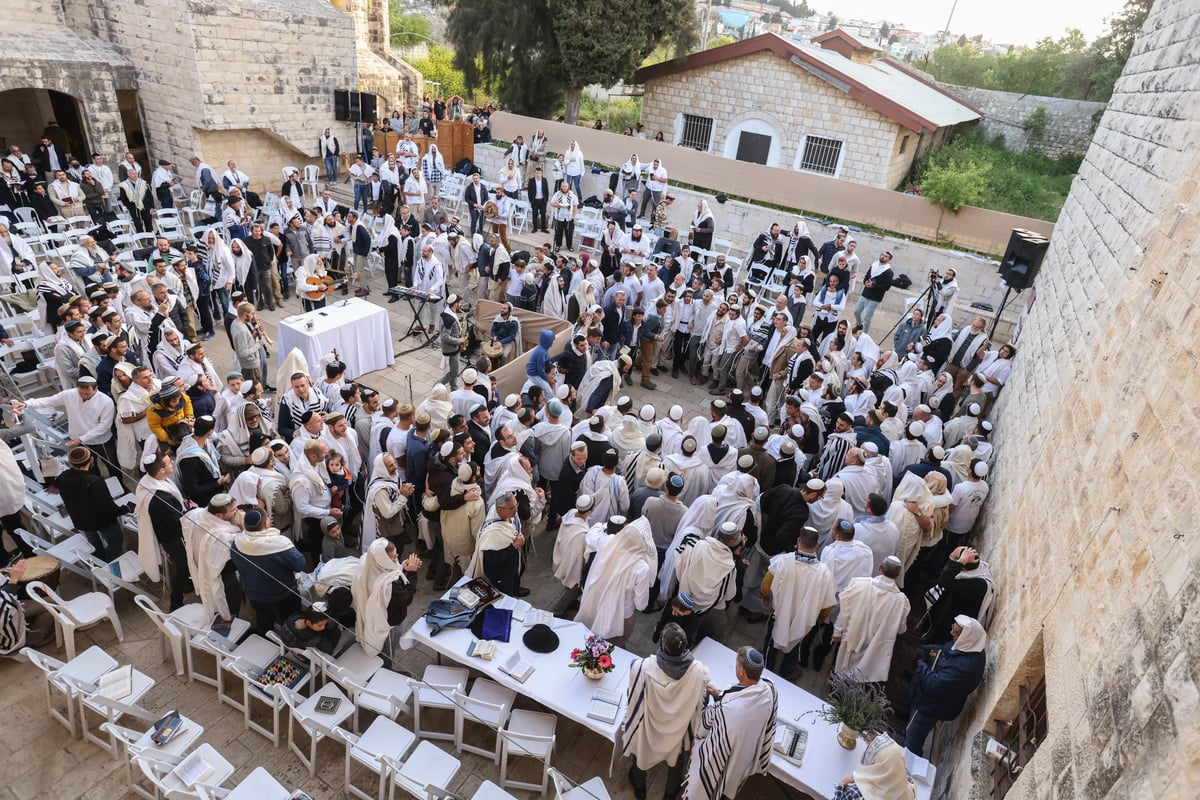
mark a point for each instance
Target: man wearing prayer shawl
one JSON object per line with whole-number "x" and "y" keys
{"x": 570, "y": 542}
{"x": 208, "y": 533}
{"x": 383, "y": 588}
{"x": 945, "y": 680}
{"x": 706, "y": 570}
{"x": 882, "y": 776}
{"x": 872, "y": 613}
{"x": 618, "y": 582}
{"x": 267, "y": 563}
{"x": 802, "y": 592}
{"x": 736, "y": 733}
{"x": 664, "y": 701}
{"x": 498, "y": 550}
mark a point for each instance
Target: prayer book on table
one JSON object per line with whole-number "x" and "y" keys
{"x": 515, "y": 667}
{"x": 917, "y": 767}
{"x": 482, "y": 648}
{"x": 605, "y": 705}
{"x": 117, "y": 683}
{"x": 790, "y": 741}
{"x": 167, "y": 728}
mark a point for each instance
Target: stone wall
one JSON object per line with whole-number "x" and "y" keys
{"x": 1069, "y": 123}
{"x": 1089, "y": 527}
{"x": 771, "y": 90}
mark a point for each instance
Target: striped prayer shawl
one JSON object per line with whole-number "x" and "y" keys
{"x": 742, "y": 720}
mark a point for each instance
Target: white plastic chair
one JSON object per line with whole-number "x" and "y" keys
{"x": 80, "y": 612}
{"x": 316, "y": 724}
{"x": 355, "y": 664}
{"x": 112, "y": 710}
{"x": 592, "y": 789}
{"x": 435, "y": 690}
{"x": 520, "y": 216}
{"x": 173, "y": 636}
{"x": 386, "y": 694}
{"x": 488, "y": 703}
{"x": 722, "y": 246}
{"x": 383, "y": 738}
{"x": 309, "y": 181}
{"x": 258, "y": 785}
{"x": 529, "y": 734}
{"x": 427, "y": 765}
{"x": 247, "y": 658}
{"x": 161, "y": 770}
{"x": 490, "y": 791}
{"x": 88, "y": 666}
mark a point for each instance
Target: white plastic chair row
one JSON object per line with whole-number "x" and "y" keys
{"x": 71, "y": 615}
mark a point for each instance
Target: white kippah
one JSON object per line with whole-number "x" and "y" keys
{"x": 676, "y": 413}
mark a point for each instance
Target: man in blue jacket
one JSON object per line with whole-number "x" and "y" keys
{"x": 267, "y": 563}
{"x": 539, "y": 360}
{"x": 942, "y": 684}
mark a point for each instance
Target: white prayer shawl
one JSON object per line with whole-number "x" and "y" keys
{"x": 696, "y": 522}
{"x": 618, "y": 583}
{"x": 242, "y": 263}
{"x": 346, "y": 445}
{"x": 672, "y": 436}
{"x": 903, "y": 453}
{"x": 857, "y": 483}
{"x": 912, "y": 487}
{"x": 207, "y": 540}
{"x": 149, "y": 553}
{"x": 371, "y": 592}
{"x": 512, "y": 477}
{"x": 381, "y": 481}
{"x": 610, "y": 492}
{"x": 735, "y": 495}
{"x": 734, "y": 741}
{"x": 984, "y": 573}
{"x": 593, "y": 378}
{"x": 847, "y": 561}
{"x": 492, "y": 468}
{"x": 717, "y": 470}
{"x": 12, "y": 485}
{"x": 707, "y": 571}
{"x": 496, "y": 534}
{"x": 873, "y": 613}
{"x": 662, "y": 713}
{"x": 627, "y": 439}
{"x": 800, "y": 589}
{"x": 697, "y": 478}
{"x": 569, "y": 549}
{"x": 824, "y": 513}
{"x": 266, "y": 542}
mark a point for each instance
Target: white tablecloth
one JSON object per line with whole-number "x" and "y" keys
{"x": 825, "y": 761}
{"x": 357, "y": 328}
{"x": 553, "y": 682}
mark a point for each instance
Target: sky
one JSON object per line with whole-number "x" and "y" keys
{"x": 1003, "y": 21}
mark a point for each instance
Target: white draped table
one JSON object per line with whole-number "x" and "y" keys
{"x": 358, "y": 329}
{"x": 825, "y": 761}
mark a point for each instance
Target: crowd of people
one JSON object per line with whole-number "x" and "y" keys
{"x": 827, "y": 471}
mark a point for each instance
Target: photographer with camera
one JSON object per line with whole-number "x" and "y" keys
{"x": 945, "y": 292}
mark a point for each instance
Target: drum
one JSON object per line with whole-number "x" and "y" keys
{"x": 42, "y": 568}
{"x": 493, "y": 350}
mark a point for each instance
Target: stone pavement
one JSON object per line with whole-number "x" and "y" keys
{"x": 39, "y": 760}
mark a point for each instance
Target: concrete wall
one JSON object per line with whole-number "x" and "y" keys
{"x": 972, "y": 228}
{"x": 764, "y": 87}
{"x": 1090, "y": 523}
{"x": 1069, "y": 128}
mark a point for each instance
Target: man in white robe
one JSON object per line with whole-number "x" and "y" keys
{"x": 873, "y": 613}
{"x": 736, "y": 733}
{"x": 706, "y": 571}
{"x": 618, "y": 582}
{"x": 606, "y": 487}
{"x": 847, "y": 558}
{"x": 803, "y": 593}
{"x": 570, "y": 543}
{"x": 697, "y": 478}
{"x": 857, "y": 481}
{"x": 664, "y": 701}
{"x": 208, "y": 533}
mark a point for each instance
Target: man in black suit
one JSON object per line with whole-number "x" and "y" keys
{"x": 537, "y": 189}
{"x": 614, "y": 315}
{"x": 475, "y": 195}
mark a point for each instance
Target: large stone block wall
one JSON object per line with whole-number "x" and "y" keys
{"x": 766, "y": 87}
{"x": 1090, "y": 526}
{"x": 1069, "y": 123}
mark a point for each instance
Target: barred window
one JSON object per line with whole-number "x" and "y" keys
{"x": 1021, "y": 737}
{"x": 821, "y": 155}
{"x": 697, "y": 132}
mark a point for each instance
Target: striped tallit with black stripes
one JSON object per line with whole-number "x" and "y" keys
{"x": 734, "y": 742}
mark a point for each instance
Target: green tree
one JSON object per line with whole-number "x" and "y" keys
{"x": 536, "y": 52}
{"x": 885, "y": 30}
{"x": 956, "y": 182}
{"x": 831, "y": 22}
{"x": 719, "y": 41}
{"x": 402, "y": 24}
{"x": 1112, "y": 50}
{"x": 439, "y": 67}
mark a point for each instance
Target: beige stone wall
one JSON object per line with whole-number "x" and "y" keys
{"x": 765, "y": 86}
{"x": 1091, "y": 521}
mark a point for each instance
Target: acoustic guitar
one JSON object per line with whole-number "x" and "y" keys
{"x": 317, "y": 286}
{"x": 491, "y": 210}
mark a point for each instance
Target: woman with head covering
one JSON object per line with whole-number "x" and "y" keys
{"x": 618, "y": 582}
{"x": 437, "y": 405}
{"x": 882, "y": 776}
{"x": 944, "y": 680}
{"x": 382, "y": 590}
{"x": 703, "y": 226}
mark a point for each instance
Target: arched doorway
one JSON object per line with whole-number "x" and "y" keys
{"x": 26, "y": 115}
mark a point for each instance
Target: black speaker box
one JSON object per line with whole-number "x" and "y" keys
{"x": 1023, "y": 258}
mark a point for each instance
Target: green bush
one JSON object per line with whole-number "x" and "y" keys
{"x": 971, "y": 170}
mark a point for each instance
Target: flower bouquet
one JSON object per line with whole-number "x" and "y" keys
{"x": 594, "y": 658}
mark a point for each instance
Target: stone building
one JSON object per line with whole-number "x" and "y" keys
{"x": 1097, "y": 481}
{"x": 1067, "y": 127}
{"x": 830, "y": 107}
{"x": 252, "y": 80}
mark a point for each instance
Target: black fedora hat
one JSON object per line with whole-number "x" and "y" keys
{"x": 541, "y": 639}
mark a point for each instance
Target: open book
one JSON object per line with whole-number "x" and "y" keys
{"x": 515, "y": 667}
{"x": 605, "y": 705}
{"x": 193, "y": 769}
{"x": 526, "y": 613}
{"x": 790, "y": 741}
{"x": 482, "y": 648}
{"x": 917, "y": 767}
{"x": 116, "y": 684}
